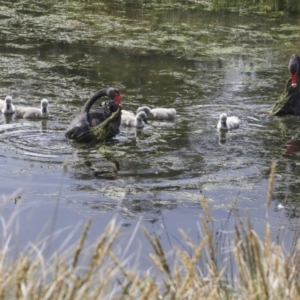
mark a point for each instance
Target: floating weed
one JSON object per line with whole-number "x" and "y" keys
{"x": 77, "y": 22}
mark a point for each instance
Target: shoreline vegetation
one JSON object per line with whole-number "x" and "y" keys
{"x": 255, "y": 6}
{"x": 262, "y": 6}
{"x": 222, "y": 265}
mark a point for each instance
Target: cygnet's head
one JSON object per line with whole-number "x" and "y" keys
{"x": 8, "y": 100}
{"x": 44, "y": 106}
{"x": 145, "y": 109}
{"x": 223, "y": 118}
{"x": 44, "y": 103}
{"x": 142, "y": 116}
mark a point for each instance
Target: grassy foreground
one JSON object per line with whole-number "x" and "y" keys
{"x": 259, "y": 269}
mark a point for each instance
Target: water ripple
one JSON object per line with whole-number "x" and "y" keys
{"x": 32, "y": 143}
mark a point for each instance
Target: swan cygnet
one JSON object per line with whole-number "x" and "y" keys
{"x": 34, "y": 112}
{"x": 227, "y": 123}
{"x": 138, "y": 121}
{"x": 6, "y": 105}
{"x": 127, "y": 112}
{"x": 158, "y": 113}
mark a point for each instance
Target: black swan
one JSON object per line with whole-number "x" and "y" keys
{"x": 33, "y": 112}
{"x": 294, "y": 67}
{"x": 98, "y": 122}
{"x": 288, "y": 102}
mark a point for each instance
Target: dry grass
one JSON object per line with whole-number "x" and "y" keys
{"x": 247, "y": 268}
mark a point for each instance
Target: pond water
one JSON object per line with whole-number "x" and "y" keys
{"x": 199, "y": 62}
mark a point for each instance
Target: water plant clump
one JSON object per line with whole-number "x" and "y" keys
{"x": 100, "y": 132}
{"x": 288, "y": 101}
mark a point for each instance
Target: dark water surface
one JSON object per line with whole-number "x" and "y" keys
{"x": 201, "y": 63}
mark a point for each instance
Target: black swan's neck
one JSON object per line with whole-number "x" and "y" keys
{"x": 294, "y": 64}
{"x": 93, "y": 99}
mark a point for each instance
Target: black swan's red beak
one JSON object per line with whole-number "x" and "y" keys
{"x": 118, "y": 99}
{"x": 294, "y": 79}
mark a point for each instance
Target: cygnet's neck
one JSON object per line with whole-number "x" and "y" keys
{"x": 139, "y": 122}
{"x": 44, "y": 110}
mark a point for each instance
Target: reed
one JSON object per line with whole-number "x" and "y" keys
{"x": 238, "y": 265}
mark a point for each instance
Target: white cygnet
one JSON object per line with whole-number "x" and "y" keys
{"x": 33, "y": 112}
{"x": 127, "y": 112}
{"x": 6, "y": 105}
{"x": 158, "y": 113}
{"x": 138, "y": 121}
{"x": 226, "y": 123}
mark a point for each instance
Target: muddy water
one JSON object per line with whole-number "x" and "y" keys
{"x": 201, "y": 63}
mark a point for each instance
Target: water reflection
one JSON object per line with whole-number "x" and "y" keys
{"x": 8, "y": 118}
{"x": 222, "y": 137}
{"x": 290, "y": 147}
{"x": 44, "y": 127}
{"x": 101, "y": 169}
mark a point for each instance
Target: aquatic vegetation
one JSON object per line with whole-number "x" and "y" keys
{"x": 101, "y": 131}
{"x": 256, "y": 6}
{"x": 287, "y": 103}
{"x": 76, "y": 22}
